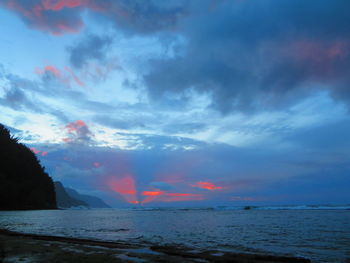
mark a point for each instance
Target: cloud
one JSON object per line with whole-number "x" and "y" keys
{"x": 145, "y": 17}
{"x": 323, "y": 137}
{"x": 185, "y": 127}
{"x": 253, "y": 55}
{"x": 125, "y": 123}
{"x": 207, "y": 185}
{"x": 16, "y": 99}
{"x": 91, "y": 56}
{"x": 210, "y": 173}
{"x": 22, "y": 94}
{"x": 59, "y": 17}
{"x": 92, "y": 47}
{"x": 55, "y": 17}
{"x": 153, "y": 141}
{"x": 51, "y": 74}
{"x": 78, "y": 132}
{"x": 159, "y": 196}
{"x": 37, "y": 151}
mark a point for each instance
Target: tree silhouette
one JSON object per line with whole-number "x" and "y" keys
{"x": 23, "y": 181}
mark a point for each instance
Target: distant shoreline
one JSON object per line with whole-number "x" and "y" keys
{"x": 43, "y": 248}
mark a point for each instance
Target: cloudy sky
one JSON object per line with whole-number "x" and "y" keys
{"x": 182, "y": 102}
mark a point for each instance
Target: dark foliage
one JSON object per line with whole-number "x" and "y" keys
{"x": 23, "y": 181}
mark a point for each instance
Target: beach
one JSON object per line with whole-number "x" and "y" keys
{"x": 19, "y": 247}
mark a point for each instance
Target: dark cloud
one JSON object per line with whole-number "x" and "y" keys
{"x": 55, "y": 17}
{"x": 65, "y": 16}
{"x": 15, "y": 95}
{"x": 244, "y": 55}
{"x": 92, "y": 47}
{"x": 16, "y": 99}
{"x": 331, "y": 187}
{"x": 145, "y": 16}
{"x": 250, "y": 55}
{"x": 334, "y": 136}
{"x": 21, "y": 94}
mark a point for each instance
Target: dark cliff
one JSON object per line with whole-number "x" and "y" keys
{"x": 23, "y": 181}
{"x": 64, "y": 200}
{"x": 92, "y": 201}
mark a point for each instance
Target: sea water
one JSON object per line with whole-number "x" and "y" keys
{"x": 321, "y": 234}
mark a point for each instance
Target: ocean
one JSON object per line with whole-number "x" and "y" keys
{"x": 321, "y": 234}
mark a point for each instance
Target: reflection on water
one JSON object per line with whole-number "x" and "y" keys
{"x": 323, "y": 235}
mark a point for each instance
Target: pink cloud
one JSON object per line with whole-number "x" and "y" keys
{"x": 152, "y": 193}
{"x": 37, "y": 14}
{"x": 58, "y": 5}
{"x": 75, "y": 126}
{"x": 207, "y": 185}
{"x": 39, "y": 152}
{"x": 320, "y": 59}
{"x": 34, "y": 150}
{"x": 97, "y": 164}
{"x": 78, "y": 132}
{"x": 74, "y": 77}
{"x": 163, "y": 196}
{"x": 65, "y": 77}
{"x": 177, "y": 197}
{"x": 59, "y": 17}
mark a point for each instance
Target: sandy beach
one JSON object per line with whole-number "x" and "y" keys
{"x": 18, "y": 247}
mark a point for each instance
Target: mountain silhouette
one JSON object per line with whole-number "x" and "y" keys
{"x": 70, "y": 198}
{"x": 24, "y": 184}
{"x": 92, "y": 201}
{"x": 64, "y": 200}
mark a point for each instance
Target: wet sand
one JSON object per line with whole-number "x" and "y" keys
{"x": 18, "y": 247}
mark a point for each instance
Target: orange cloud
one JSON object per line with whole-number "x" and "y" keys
{"x": 207, "y": 185}
{"x": 152, "y": 193}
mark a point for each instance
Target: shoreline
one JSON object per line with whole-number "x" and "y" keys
{"x": 22, "y": 247}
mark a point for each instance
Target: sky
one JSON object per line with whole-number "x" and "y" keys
{"x": 182, "y": 102}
